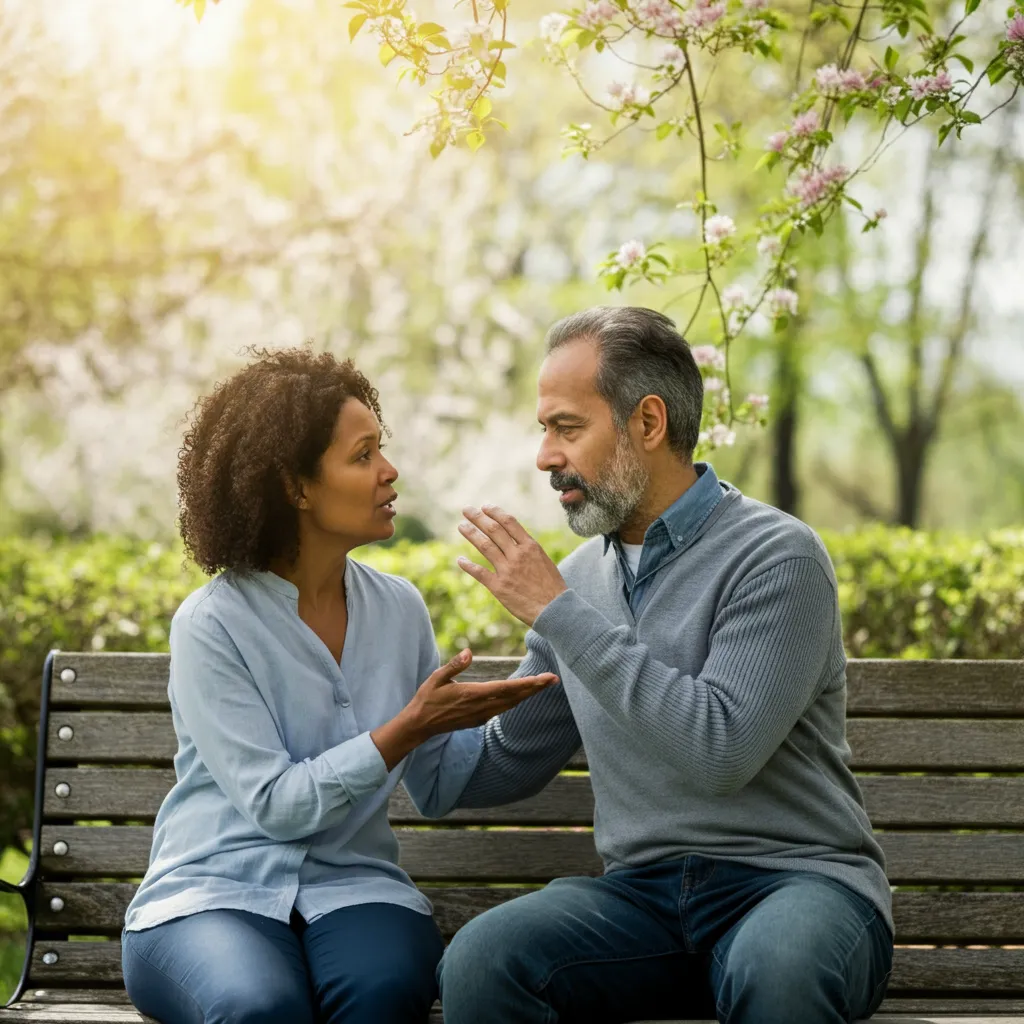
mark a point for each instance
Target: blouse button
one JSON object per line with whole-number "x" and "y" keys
{"x": 346, "y": 703}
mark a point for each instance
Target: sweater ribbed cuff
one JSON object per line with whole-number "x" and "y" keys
{"x": 571, "y": 626}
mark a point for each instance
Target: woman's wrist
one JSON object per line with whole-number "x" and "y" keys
{"x": 399, "y": 737}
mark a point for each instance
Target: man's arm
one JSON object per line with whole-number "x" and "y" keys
{"x": 526, "y": 747}
{"x": 767, "y": 653}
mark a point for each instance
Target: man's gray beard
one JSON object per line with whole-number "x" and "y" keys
{"x": 614, "y": 497}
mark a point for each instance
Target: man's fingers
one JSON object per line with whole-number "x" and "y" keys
{"x": 490, "y": 526}
{"x": 478, "y": 572}
{"x": 492, "y": 551}
{"x": 511, "y": 525}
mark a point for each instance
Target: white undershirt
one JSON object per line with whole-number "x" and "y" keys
{"x": 632, "y": 553}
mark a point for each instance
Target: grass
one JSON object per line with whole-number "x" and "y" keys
{"x": 13, "y": 924}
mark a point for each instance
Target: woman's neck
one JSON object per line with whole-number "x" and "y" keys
{"x": 318, "y": 572}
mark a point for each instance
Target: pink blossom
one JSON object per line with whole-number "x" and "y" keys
{"x": 828, "y": 78}
{"x": 630, "y": 253}
{"x": 755, "y": 5}
{"x": 660, "y": 16}
{"x": 811, "y": 185}
{"x": 718, "y": 228}
{"x": 735, "y": 297}
{"x": 782, "y": 301}
{"x": 757, "y": 402}
{"x": 552, "y": 26}
{"x": 769, "y": 246}
{"x": 595, "y": 16}
{"x": 851, "y": 80}
{"x": 806, "y": 124}
{"x": 722, "y": 435}
{"x": 877, "y": 82}
{"x": 831, "y": 80}
{"x": 1015, "y": 28}
{"x": 777, "y": 142}
{"x": 881, "y": 213}
{"x": 930, "y": 85}
{"x": 709, "y": 356}
{"x": 704, "y": 14}
{"x": 713, "y": 384}
{"x": 672, "y": 58}
{"x": 627, "y": 94}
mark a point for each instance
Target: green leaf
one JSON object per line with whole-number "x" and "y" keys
{"x": 816, "y": 224}
{"x": 722, "y": 130}
{"x": 430, "y": 28}
{"x": 500, "y": 5}
{"x": 499, "y": 71}
{"x": 663, "y": 131}
{"x": 970, "y": 117}
{"x": 475, "y": 140}
{"x": 997, "y": 73}
{"x": 971, "y": 6}
{"x": 482, "y": 107}
{"x": 387, "y": 54}
{"x": 768, "y": 160}
{"x": 944, "y": 131}
{"x": 781, "y": 323}
{"x": 355, "y": 25}
{"x": 966, "y": 61}
{"x": 199, "y": 6}
{"x": 903, "y": 108}
{"x": 437, "y": 147}
{"x": 501, "y": 44}
{"x": 853, "y": 202}
{"x": 891, "y": 58}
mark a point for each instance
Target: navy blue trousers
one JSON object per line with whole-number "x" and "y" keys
{"x": 365, "y": 964}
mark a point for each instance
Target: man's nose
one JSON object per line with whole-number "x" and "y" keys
{"x": 549, "y": 457}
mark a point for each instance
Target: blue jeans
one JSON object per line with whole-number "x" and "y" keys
{"x": 359, "y": 965}
{"x": 693, "y": 938}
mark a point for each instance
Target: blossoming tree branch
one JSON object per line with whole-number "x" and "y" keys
{"x": 892, "y": 64}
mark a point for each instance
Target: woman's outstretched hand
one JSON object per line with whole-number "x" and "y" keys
{"x": 442, "y": 704}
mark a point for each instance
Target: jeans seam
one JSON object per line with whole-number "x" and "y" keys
{"x": 132, "y": 951}
{"x": 601, "y": 960}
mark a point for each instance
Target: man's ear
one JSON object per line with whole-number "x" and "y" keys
{"x": 653, "y": 421}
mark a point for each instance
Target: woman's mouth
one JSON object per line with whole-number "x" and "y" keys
{"x": 388, "y": 507}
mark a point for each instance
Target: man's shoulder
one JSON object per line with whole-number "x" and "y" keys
{"x": 764, "y": 536}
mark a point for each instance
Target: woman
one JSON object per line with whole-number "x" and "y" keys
{"x": 304, "y": 686}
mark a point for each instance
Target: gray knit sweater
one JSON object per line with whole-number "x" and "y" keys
{"x": 714, "y": 722}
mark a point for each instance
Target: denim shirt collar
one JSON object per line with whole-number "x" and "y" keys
{"x": 686, "y": 515}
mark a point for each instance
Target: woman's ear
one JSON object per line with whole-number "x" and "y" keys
{"x": 295, "y": 492}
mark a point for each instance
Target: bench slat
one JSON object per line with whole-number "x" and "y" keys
{"x": 925, "y": 970}
{"x": 147, "y": 737}
{"x": 537, "y": 855}
{"x": 97, "y": 908}
{"x": 892, "y": 801}
{"x": 876, "y": 686}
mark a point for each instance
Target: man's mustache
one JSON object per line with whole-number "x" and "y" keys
{"x": 566, "y": 481}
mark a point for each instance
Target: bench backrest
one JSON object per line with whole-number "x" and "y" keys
{"x": 922, "y": 734}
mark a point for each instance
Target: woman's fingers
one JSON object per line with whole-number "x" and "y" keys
{"x": 458, "y": 664}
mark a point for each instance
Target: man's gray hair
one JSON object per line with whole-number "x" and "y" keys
{"x": 640, "y": 353}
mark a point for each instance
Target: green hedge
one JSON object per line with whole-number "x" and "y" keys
{"x": 903, "y": 594}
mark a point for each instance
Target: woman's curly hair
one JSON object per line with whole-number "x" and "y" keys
{"x": 260, "y": 429}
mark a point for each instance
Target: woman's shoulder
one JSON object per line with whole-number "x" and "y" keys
{"x": 213, "y": 606}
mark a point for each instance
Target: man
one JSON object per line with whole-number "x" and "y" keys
{"x": 698, "y": 641}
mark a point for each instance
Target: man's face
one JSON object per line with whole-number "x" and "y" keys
{"x": 597, "y": 469}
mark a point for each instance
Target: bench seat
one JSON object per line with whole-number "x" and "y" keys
{"x": 938, "y": 748}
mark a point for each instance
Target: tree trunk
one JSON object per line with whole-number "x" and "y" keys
{"x": 784, "y": 423}
{"x": 910, "y": 456}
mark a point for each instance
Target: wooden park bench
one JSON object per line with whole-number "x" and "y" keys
{"x": 954, "y": 840}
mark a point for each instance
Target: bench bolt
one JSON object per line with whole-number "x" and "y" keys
{"x": 62, "y": 789}
{"x": 50, "y": 958}
{"x": 65, "y": 732}
{"x": 56, "y": 904}
{"x": 68, "y": 675}
{"x": 60, "y": 848}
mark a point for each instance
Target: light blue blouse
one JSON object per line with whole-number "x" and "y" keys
{"x": 281, "y": 796}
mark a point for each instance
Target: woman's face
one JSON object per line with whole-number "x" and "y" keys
{"x": 353, "y": 494}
